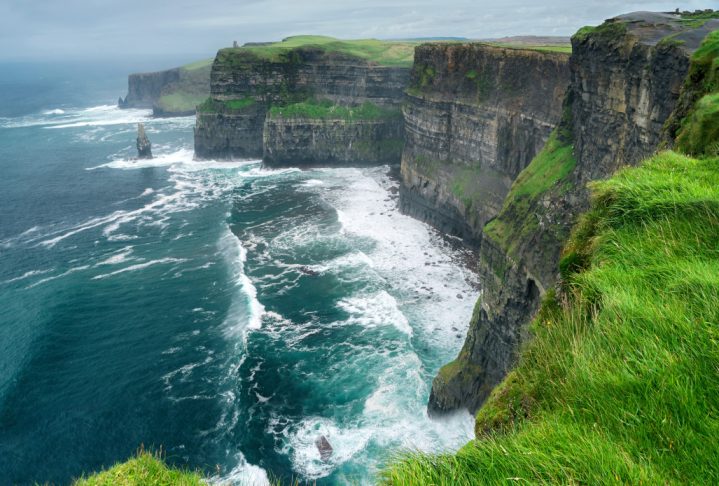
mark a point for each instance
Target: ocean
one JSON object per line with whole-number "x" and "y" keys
{"x": 223, "y": 312}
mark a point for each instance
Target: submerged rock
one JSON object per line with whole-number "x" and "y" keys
{"x": 144, "y": 147}
{"x": 323, "y": 445}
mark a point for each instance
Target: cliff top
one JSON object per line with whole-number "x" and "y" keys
{"x": 385, "y": 53}
{"x": 687, "y": 29}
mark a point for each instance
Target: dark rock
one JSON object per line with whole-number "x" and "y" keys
{"x": 324, "y": 447}
{"x": 144, "y": 147}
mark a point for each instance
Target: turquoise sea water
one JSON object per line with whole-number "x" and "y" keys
{"x": 227, "y": 313}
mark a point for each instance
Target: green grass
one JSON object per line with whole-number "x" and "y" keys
{"x": 551, "y": 165}
{"x": 560, "y": 48}
{"x": 547, "y": 172}
{"x": 194, "y": 66}
{"x": 326, "y": 110}
{"x": 386, "y": 53}
{"x": 210, "y": 105}
{"x": 145, "y": 469}
{"x": 621, "y": 381}
{"x": 699, "y": 131}
{"x": 181, "y": 101}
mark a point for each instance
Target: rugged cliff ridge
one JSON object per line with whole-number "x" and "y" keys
{"x": 320, "y": 81}
{"x": 626, "y": 77}
{"x": 475, "y": 116}
{"x": 174, "y": 92}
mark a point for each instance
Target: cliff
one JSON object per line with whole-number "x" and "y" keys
{"x": 312, "y": 84}
{"x": 475, "y": 116}
{"x": 174, "y": 92}
{"x": 626, "y": 77}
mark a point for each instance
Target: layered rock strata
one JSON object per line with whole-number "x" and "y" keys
{"x": 244, "y": 86}
{"x": 475, "y": 116}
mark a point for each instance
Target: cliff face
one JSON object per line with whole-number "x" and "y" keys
{"x": 475, "y": 117}
{"x": 144, "y": 89}
{"x": 302, "y": 141}
{"x": 174, "y": 92}
{"x": 245, "y": 86}
{"x": 626, "y": 77}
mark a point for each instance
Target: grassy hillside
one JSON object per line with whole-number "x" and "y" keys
{"x": 620, "y": 383}
{"x": 386, "y": 53}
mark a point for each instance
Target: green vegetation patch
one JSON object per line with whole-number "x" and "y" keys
{"x": 146, "y": 469}
{"x": 386, "y": 53}
{"x": 327, "y": 110}
{"x": 547, "y": 171}
{"x": 181, "y": 101}
{"x": 560, "y": 48}
{"x": 609, "y": 30}
{"x": 551, "y": 165}
{"x": 211, "y": 105}
{"x": 698, "y": 133}
{"x": 619, "y": 384}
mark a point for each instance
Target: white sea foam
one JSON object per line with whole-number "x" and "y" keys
{"x": 244, "y": 474}
{"x": 56, "y": 111}
{"x": 140, "y": 266}
{"x": 245, "y": 311}
{"x": 55, "y": 277}
{"x": 27, "y": 274}
{"x": 118, "y": 257}
{"x": 375, "y": 309}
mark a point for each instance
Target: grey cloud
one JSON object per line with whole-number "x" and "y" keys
{"x": 107, "y": 29}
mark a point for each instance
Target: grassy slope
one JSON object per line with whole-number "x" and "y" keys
{"x": 192, "y": 89}
{"x": 386, "y": 53}
{"x": 620, "y": 383}
{"x": 146, "y": 469}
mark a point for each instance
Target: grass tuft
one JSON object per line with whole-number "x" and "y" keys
{"x": 145, "y": 469}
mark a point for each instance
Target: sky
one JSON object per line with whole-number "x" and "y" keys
{"x": 75, "y": 30}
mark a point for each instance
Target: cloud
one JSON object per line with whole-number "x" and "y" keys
{"x": 107, "y": 29}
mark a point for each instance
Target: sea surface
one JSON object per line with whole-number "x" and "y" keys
{"x": 225, "y": 313}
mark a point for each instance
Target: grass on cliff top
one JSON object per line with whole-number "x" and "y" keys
{"x": 621, "y": 381}
{"x": 386, "y": 53}
{"x": 326, "y": 110}
{"x": 145, "y": 469}
{"x": 561, "y": 48}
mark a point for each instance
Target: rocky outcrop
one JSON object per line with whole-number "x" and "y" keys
{"x": 626, "y": 77}
{"x": 144, "y": 89}
{"x": 144, "y": 147}
{"x": 246, "y": 85}
{"x": 474, "y": 118}
{"x": 336, "y": 142}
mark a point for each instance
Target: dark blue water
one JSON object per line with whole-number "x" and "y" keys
{"x": 224, "y": 312}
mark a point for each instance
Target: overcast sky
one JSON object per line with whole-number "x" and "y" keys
{"x": 193, "y": 29}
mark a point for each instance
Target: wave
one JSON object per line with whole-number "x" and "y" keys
{"x": 140, "y": 266}
{"x": 56, "y": 111}
{"x": 246, "y": 310}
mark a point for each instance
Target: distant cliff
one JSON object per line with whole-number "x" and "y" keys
{"x": 311, "y": 100}
{"x": 174, "y": 92}
{"x": 625, "y": 79}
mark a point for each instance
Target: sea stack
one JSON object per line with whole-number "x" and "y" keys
{"x": 144, "y": 147}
